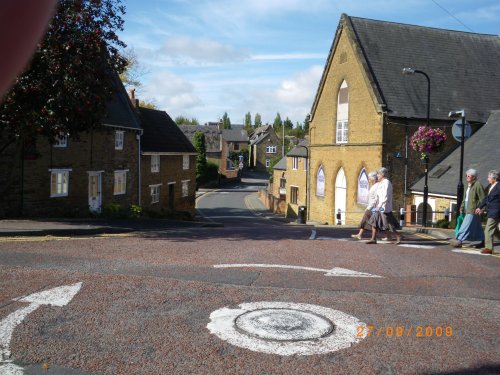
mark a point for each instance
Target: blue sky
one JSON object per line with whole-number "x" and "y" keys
{"x": 207, "y": 57}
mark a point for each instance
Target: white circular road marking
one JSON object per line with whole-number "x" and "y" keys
{"x": 286, "y": 328}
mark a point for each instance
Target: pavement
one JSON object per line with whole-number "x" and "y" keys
{"x": 95, "y": 226}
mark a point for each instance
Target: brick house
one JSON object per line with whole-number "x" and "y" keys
{"x": 212, "y": 139}
{"x": 232, "y": 140}
{"x": 77, "y": 174}
{"x": 296, "y": 178}
{"x": 365, "y": 109}
{"x": 168, "y": 164}
{"x": 264, "y": 146}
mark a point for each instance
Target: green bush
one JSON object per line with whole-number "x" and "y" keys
{"x": 114, "y": 210}
{"x": 443, "y": 223}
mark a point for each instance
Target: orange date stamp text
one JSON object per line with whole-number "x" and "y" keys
{"x": 404, "y": 331}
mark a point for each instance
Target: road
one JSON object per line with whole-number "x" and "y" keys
{"x": 255, "y": 296}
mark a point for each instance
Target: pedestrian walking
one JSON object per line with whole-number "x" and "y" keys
{"x": 372, "y": 203}
{"x": 471, "y": 229}
{"x": 492, "y": 203}
{"x": 382, "y": 218}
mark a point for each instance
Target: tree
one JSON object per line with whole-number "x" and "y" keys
{"x": 288, "y": 124}
{"x": 70, "y": 78}
{"x": 257, "y": 120}
{"x": 134, "y": 71}
{"x": 201, "y": 157}
{"x": 147, "y": 104}
{"x": 226, "y": 122}
{"x": 306, "y": 124}
{"x": 277, "y": 124}
{"x": 248, "y": 121}
{"x": 181, "y": 120}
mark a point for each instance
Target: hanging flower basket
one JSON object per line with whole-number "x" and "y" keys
{"x": 427, "y": 140}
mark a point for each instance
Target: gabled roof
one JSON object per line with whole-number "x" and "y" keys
{"x": 481, "y": 152}
{"x": 463, "y": 67}
{"x": 260, "y": 133}
{"x": 212, "y": 135}
{"x": 301, "y": 150}
{"x": 161, "y": 133}
{"x": 235, "y": 135}
{"x": 120, "y": 112}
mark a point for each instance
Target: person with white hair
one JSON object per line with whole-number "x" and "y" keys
{"x": 382, "y": 218}
{"x": 372, "y": 202}
{"x": 492, "y": 203}
{"x": 471, "y": 229}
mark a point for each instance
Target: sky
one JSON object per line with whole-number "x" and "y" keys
{"x": 203, "y": 58}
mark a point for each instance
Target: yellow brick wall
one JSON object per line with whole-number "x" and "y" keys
{"x": 364, "y": 147}
{"x": 295, "y": 178}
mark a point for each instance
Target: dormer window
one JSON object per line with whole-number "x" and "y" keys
{"x": 119, "y": 135}
{"x": 61, "y": 141}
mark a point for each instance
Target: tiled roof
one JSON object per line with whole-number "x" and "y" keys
{"x": 481, "y": 152}
{"x": 161, "y": 133}
{"x": 235, "y": 135}
{"x": 300, "y": 151}
{"x": 212, "y": 135}
{"x": 281, "y": 165}
{"x": 120, "y": 112}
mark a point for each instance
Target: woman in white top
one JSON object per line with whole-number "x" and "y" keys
{"x": 372, "y": 203}
{"x": 382, "y": 218}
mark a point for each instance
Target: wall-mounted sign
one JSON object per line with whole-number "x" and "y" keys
{"x": 320, "y": 182}
{"x": 363, "y": 187}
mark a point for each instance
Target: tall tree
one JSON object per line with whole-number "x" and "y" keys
{"x": 134, "y": 71}
{"x": 201, "y": 157}
{"x": 278, "y": 123}
{"x": 181, "y": 120}
{"x": 306, "y": 124}
{"x": 257, "y": 120}
{"x": 226, "y": 122}
{"x": 248, "y": 120}
{"x": 70, "y": 78}
{"x": 288, "y": 124}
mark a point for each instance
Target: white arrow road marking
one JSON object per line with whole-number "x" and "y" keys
{"x": 336, "y": 271}
{"x": 59, "y": 296}
{"x": 285, "y": 317}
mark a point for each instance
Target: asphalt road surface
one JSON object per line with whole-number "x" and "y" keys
{"x": 255, "y": 296}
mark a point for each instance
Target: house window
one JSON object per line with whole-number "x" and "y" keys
{"x": 294, "y": 194}
{"x": 320, "y": 182}
{"x": 59, "y": 182}
{"x": 268, "y": 163}
{"x": 185, "y": 162}
{"x": 185, "y": 188}
{"x": 236, "y": 146}
{"x": 271, "y": 149}
{"x": 343, "y": 114}
{"x": 155, "y": 163}
{"x": 61, "y": 141}
{"x": 120, "y": 186}
{"x": 119, "y": 135}
{"x": 305, "y": 164}
{"x": 155, "y": 193}
{"x": 295, "y": 163}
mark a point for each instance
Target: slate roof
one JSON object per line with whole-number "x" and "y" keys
{"x": 120, "y": 112}
{"x": 161, "y": 133}
{"x": 481, "y": 152}
{"x": 259, "y": 134}
{"x": 212, "y": 135}
{"x": 235, "y": 135}
{"x": 464, "y": 68}
{"x": 281, "y": 165}
{"x": 300, "y": 151}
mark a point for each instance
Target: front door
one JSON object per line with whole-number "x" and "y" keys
{"x": 95, "y": 195}
{"x": 340, "y": 197}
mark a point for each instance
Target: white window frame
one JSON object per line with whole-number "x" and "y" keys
{"x": 268, "y": 163}
{"x": 155, "y": 163}
{"x": 61, "y": 141}
{"x": 185, "y": 162}
{"x": 305, "y": 164}
{"x": 185, "y": 188}
{"x": 271, "y": 149}
{"x": 60, "y": 186}
{"x": 295, "y": 163}
{"x": 155, "y": 193}
{"x": 120, "y": 182}
{"x": 342, "y": 131}
{"x": 119, "y": 138}
{"x": 342, "y": 123}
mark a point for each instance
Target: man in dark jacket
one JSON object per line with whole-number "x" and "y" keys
{"x": 492, "y": 204}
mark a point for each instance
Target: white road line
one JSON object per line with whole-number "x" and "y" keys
{"x": 473, "y": 252}
{"x": 336, "y": 271}
{"x": 417, "y": 246}
{"x": 59, "y": 296}
{"x": 348, "y": 330}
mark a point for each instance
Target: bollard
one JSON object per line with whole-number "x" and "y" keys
{"x": 339, "y": 217}
{"x": 401, "y": 217}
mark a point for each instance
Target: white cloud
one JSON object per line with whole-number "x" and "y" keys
{"x": 289, "y": 56}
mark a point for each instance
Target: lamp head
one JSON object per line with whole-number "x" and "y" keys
{"x": 408, "y": 71}
{"x": 460, "y": 113}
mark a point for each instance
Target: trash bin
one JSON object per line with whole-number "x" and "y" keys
{"x": 302, "y": 215}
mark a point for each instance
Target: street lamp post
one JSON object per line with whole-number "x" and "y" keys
{"x": 410, "y": 71}
{"x": 460, "y": 186}
{"x": 307, "y": 178}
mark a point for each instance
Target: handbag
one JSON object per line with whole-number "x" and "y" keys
{"x": 460, "y": 219}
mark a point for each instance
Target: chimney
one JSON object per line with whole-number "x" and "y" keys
{"x": 133, "y": 100}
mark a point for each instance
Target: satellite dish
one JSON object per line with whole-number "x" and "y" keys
{"x": 456, "y": 130}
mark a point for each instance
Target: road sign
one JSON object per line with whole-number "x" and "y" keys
{"x": 456, "y": 130}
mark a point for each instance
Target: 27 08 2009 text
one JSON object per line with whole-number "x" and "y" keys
{"x": 404, "y": 331}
